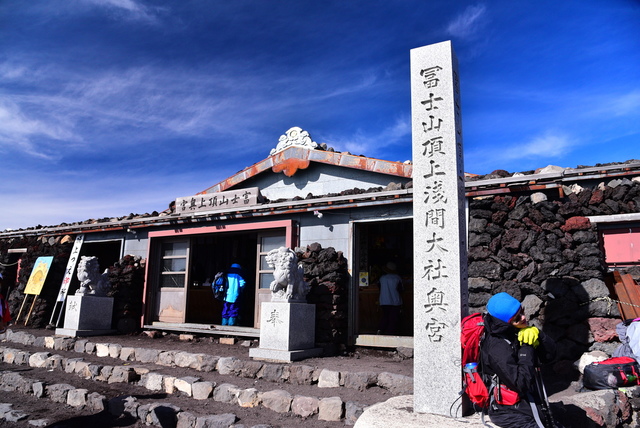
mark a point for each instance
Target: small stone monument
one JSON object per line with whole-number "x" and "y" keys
{"x": 287, "y": 322}
{"x": 89, "y": 311}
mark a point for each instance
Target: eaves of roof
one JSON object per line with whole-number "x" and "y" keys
{"x": 523, "y": 183}
{"x": 536, "y": 182}
{"x": 277, "y": 208}
{"x": 291, "y": 159}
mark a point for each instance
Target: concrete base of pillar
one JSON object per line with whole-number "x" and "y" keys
{"x": 398, "y": 412}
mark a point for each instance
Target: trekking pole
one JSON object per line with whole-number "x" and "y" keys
{"x": 542, "y": 392}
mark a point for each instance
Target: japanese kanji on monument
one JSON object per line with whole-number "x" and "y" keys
{"x": 439, "y": 227}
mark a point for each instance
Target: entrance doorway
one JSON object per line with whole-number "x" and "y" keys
{"x": 182, "y": 266}
{"x": 377, "y": 244}
{"x": 107, "y": 252}
{"x": 215, "y": 253}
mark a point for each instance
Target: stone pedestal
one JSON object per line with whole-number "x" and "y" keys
{"x": 87, "y": 316}
{"x": 287, "y": 332}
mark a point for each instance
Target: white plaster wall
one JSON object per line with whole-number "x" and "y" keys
{"x": 137, "y": 245}
{"x": 319, "y": 180}
{"x": 329, "y": 231}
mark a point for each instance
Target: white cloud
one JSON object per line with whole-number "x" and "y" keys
{"x": 61, "y": 207}
{"x": 624, "y": 104}
{"x": 132, "y": 9}
{"x": 71, "y": 112}
{"x": 366, "y": 83}
{"x": 398, "y": 130}
{"x": 547, "y": 147}
{"x": 129, "y": 5}
{"x": 54, "y": 197}
{"x": 140, "y": 103}
{"x": 114, "y": 107}
{"x": 544, "y": 146}
{"x": 468, "y": 22}
{"x": 375, "y": 144}
{"x": 17, "y": 129}
{"x": 9, "y": 71}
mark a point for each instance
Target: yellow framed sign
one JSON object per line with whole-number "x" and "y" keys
{"x": 38, "y": 275}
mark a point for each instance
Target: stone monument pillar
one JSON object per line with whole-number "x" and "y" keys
{"x": 439, "y": 227}
{"x": 89, "y": 311}
{"x": 287, "y": 322}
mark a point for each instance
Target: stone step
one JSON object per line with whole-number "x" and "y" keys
{"x": 153, "y": 414}
{"x": 204, "y": 378}
{"x": 329, "y": 409}
{"x": 300, "y": 374}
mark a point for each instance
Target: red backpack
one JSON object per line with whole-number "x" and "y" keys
{"x": 471, "y": 335}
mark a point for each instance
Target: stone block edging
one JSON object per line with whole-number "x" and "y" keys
{"x": 277, "y": 373}
{"x": 277, "y": 400}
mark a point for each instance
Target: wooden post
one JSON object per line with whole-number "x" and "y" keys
{"x": 21, "y": 306}
{"x": 30, "y": 310}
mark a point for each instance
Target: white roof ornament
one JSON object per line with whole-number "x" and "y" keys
{"x": 294, "y": 137}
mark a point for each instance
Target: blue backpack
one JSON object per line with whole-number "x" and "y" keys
{"x": 219, "y": 285}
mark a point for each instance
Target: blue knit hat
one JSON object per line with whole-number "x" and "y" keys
{"x": 503, "y": 306}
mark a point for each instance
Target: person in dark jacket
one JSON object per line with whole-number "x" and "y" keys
{"x": 510, "y": 350}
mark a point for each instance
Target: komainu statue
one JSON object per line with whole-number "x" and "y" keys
{"x": 91, "y": 281}
{"x": 288, "y": 284}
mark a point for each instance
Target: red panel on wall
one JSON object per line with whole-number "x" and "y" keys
{"x": 622, "y": 246}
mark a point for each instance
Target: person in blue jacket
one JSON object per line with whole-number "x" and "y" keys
{"x": 235, "y": 285}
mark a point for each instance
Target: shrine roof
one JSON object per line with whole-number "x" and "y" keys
{"x": 294, "y": 158}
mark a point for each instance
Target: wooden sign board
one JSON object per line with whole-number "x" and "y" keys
{"x": 217, "y": 201}
{"x": 38, "y": 275}
{"x": 71, "y": 266}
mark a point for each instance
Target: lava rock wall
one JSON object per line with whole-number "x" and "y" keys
{"x": 127, "y": 287}
{"x": 547, "y": 254}
{"x": 60, "y": 248}
{"x": 326, "y": 271}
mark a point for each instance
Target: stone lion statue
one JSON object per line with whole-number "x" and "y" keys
{"x": 91, "y": 281}
{"x": 287, "y": 284}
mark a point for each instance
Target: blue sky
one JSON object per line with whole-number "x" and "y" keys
{"x": 111, "y": 107}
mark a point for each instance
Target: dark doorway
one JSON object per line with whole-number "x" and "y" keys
{"x": 107, "y": 252}
{"x": 215, "y": 253}
{"x": 378, "y": 243}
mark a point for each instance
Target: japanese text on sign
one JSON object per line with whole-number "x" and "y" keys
{"x": 274, "y": 318}
{"x": 434, "y": 267}
{"x": 71, "y": 266}
{"x": 217, "y": 201}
